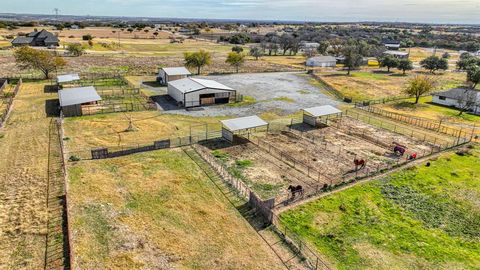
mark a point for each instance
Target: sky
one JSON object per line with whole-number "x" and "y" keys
{"x": 426, "y": 11}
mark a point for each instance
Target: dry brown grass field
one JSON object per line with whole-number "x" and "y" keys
{"x": 158, "y": 210}
{"x": 377, "y": 84}
{"x": 23, "y": 172}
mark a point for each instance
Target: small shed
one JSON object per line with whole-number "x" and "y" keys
{"x": 166, "y": 75}
{"x": 193, "y": 92}
{"x": 241, "y": 125}
{"x": 67, "y": 78}
{"x": 311, "y": 115}
{"x": 322, "y": 61}
{"x": 72, "y": 99}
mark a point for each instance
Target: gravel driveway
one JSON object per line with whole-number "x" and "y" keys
{"x": 282, "y": 92}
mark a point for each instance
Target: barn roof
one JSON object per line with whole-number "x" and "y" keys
{"x": 80, "y": 95}
{"x": 241, "y": 123}
{"x": 174, "y": 71}
{"x": 67, "y": 78}
{"x": 192, "y": 84}
{"x": 322, "y": 111}
{"x": 22, "y": 40}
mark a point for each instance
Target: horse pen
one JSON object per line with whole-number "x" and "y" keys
{"x": 333, "y": 152}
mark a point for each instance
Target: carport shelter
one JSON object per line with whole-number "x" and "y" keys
{"x": 311, "y": 115}
{"x": 193, "y": 92}
{"x": 67, "y": 78}
{"x": 240, "y": 125}
{"x": 72, "y": 99}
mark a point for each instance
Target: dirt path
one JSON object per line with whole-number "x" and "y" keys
{"x": 23, "y": 172}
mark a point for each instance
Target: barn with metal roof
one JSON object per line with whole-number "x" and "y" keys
{"x": 72, "y": 99}
{"x": 166, "y": 75}
{"x": 193, "y": 92}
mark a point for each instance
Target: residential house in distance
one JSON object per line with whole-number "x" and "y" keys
{"x": 398, "y": 54}
{"x": 37, "y": 39}
{"x": 322, "y": 61}
{"x": 192, "y": 92}
{"x": 391, "y": 44}
{"x": 459, "y": 98}
{"x": 308, "y": 46}
{"x": 166, "y": 75}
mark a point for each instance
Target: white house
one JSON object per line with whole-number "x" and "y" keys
{"x": 459, "y": 98}
{"x": 391, "y": 44}
{"x": 398, "y": 54}
{"x": 166, "y": 75}
{"x": 322, "y": 61}
{"x": 192, "y": 92}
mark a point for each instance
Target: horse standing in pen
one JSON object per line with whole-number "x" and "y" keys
{"x": 294, "y": 190}
{"x": 359, "y": 164}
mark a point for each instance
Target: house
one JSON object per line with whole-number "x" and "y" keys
{"x": 391, "y": 44}
{"x": 192, "y": 92}
{"x": 398, "y": 54}
{"x": 477, "y": 53}
{"x": 72, "y": 99}
{"x": 37, "y": 39}
{"x": 166, "y": 75}
{"x": 459, "y": 98}
{"x": 309, "y": 45}
{"x": 322, "y": 61}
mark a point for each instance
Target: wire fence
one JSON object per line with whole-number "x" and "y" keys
{"x": 430, "y": 124}
{"x": 265, "y": 208}
{"x": 8, "y": 104}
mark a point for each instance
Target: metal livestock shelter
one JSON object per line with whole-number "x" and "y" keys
{"x": 72, "y": 99}
{"x": 240, "y": 125}
{"x": 311, "y": 115}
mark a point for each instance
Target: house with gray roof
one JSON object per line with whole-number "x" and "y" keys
{"x": 460, "y": 98}
{"x": 37, "y": 39}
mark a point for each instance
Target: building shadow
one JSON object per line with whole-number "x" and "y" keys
{"x": 52, "y": 107}
{"x": 166, "y": 103}
{"x": 51, "y": 89}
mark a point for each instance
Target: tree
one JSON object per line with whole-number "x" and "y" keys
{"x": 87, "y": 37}
{"x": 389, "y": 62}
{"x": 237, "y": 49}
{"x": 310, "y": 52}
{"x": 352, "y": 58}
{"x": 256, "y": 52}
{"x": 418, "y": 86}
{"x": 404, "y": 65}
{"x": 75, "y": 49}
{"x": 434, "y": 63}
{"x": 466, "y": 100}
{"x": 466, "y": 60}
{"x": 473, "y": 75}
{"x": 323, "y": 47}
{"x": 45, "y": 61}
{"x": 198, "y": 59}
{"x": 236, "y": 59}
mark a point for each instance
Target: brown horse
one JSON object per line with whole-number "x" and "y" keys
{"x": 359, "y": 163}
{"x": 295, "y": 190}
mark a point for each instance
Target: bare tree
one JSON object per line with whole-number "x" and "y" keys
{"x": 466, "y": 100}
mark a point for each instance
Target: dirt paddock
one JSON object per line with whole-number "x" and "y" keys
{"x": 312, "y": 157}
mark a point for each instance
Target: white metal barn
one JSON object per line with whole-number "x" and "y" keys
{"x": 192, "y": 92}
{"x": 322, "y": 61}
{"x": 166, "y": 75}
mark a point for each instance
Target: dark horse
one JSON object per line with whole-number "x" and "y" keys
{"x": 359, "y": 163}
{"x": 296, "y": 190}
{"x": 399, "y": 151}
